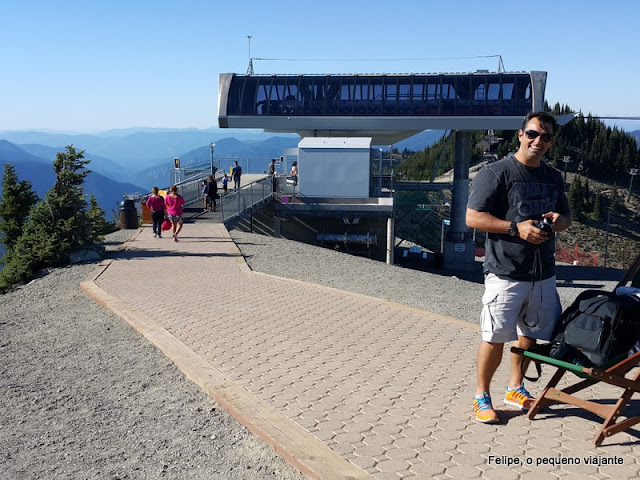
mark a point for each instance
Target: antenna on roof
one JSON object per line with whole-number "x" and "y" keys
{"x": 500, "y": 64}
{"x": 250, "y": 69}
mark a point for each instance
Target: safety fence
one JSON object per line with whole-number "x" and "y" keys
{"x": 617, "y": 255}
{"x": 235, "y": 205}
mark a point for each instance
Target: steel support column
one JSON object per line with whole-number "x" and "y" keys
{"x": 459, "y": 248}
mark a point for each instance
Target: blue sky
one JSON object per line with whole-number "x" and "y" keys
{"x": 88, "y": 66}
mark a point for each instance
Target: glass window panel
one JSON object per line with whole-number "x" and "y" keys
{"x": 375, "y": 99}
{"x": 319, "y": 94}
{"x": 463, "y": 95}
{"x": 305, "y": 95}
{"x": 332, "y": 96}
{"x": 507, "y": 91}
{"x": 418, "y": 97}
{"x": 447, "y": 96}
{"x": 264, "y": 86}
{"x": 291, "y": 96}
{"x": 249, "y": 96}
{"x": 235, "y": 95}
{"x": 493, "y": 91}
{"x": 479, "y": 103}
{"x": 276, "y": 96}
{"x": 361, "y": 96}
{"x": 390, "y": 103}
{"x": 347, "y": 93}
{"x": 404, "y": 96}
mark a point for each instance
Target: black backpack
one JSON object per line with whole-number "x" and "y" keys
{"x": 598, "y": 326}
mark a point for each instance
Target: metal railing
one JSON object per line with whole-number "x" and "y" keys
{"x": 192, "y": 171}
{"x": 382, "y": 185}
{"x": 235, "y": 205}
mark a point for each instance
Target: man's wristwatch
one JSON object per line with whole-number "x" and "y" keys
{"x": 513, "y": 229}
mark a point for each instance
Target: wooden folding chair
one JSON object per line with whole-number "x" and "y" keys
{"x": 609, "y": 374}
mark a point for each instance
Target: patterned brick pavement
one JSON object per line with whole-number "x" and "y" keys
{"x": 385, "y": 388}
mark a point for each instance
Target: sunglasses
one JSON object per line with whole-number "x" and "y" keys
{"x": 533, "y": 134}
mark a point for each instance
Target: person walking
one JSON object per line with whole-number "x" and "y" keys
{"x": 225, "y": 182}
{"x": 155, "y": 203}
{"x": 236, "y": 173}
{"x": 213, "y": 192}
{"x": 174, "y": 202}
{"x": 204, "y": 193}
{"x": 520, "y": 303}
{"x": 272, "y": 174}
{"x": 294, "y": 172}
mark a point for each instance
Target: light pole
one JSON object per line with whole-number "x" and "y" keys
{"x": 212, "y": 146}
{"x": 633, "y": 172}
{"x": 566, "y": 159}
{"x": 250, "y": 69}
{"x": 176, "y": 170}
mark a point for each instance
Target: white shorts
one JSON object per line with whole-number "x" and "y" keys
{"x": 513, "y": 308}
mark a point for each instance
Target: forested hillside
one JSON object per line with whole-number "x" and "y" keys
{"x": 603, "y": 196}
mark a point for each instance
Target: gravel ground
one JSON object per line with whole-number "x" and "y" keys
{"x": 452, "y": 293}
{"x": 85, "y": 396}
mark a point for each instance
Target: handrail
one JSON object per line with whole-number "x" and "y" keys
{"x": 235, "y": 205}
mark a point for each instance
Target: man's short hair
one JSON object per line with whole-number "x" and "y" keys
{"x": 547, "y": 120}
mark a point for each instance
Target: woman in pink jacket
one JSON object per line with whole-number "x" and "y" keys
{"x": 155, "y": 203}
{"x": 174, "y": 202}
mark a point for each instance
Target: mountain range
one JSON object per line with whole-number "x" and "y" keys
{"x": 133, "y": 160}
{"x": 40, "y": 173}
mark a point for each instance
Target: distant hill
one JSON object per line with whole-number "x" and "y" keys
{"x": 419, "y": 141}
{"x": 136, "y": 150}
{"x": 98, "y": 164}
{"x": 636, "y": 135}
{"x": 14, "y": 154}
{"x": 226, "y": 150}
{"x": 40, "y": 173}
{"x": 146, "y": 154}
{"x": 141, "y": 148}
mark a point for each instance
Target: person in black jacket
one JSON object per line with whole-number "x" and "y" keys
{"x": 213, "y": 192}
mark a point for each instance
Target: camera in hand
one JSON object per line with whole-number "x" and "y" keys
{"x": 546, "y": 225}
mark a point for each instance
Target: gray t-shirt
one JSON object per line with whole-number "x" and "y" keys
{"x": 511, "y": 191}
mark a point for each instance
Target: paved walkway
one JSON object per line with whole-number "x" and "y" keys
{"x": 341, "y": 385}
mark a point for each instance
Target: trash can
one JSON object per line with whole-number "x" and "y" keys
{"x": 128, "y": 215}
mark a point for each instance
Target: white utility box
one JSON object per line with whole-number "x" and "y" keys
{"x": 334, "y": 166}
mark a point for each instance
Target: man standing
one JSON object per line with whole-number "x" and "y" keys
{"x": 509, "y": 199}
{"x": 236, "y": 173}
{"x": 272, "y": 174}
{"x": 213, "y": 192}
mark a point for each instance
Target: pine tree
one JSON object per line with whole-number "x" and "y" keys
{"x": 597, "y": 206}
{"x": 67, "y": 199}
{"x": 576, "y": 198}
{"x": 98, "y": 226}
{"x": 37, "y": 247}
{"x": 55, "y": 226}
{"x": 17, "y": 199}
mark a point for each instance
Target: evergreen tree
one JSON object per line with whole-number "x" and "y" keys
{"x": 67, "y": 199}
{"x": 98, "y": 226}
{"x": 576, "y": 199}
{"x": 503, "y": 149}
{"x": 598, "y": 207}
{"x": 56, "y": 225}
{"x": 37, "y": 247}
{"x": 17, "y": 199}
